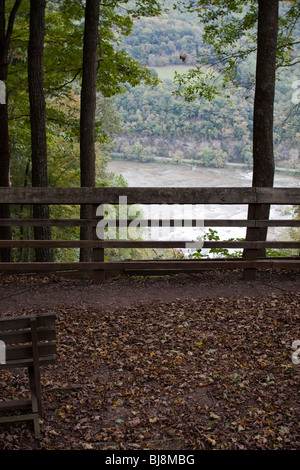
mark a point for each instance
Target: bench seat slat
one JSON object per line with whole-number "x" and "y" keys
{"x": 19, "y": 363}
{"x": 25, "y": 351}
{"x": 12, "y": 419}
{"x": 14, "y": 404}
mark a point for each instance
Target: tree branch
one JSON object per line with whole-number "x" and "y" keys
{"x": 2, "y": 19}
{"x": 66, "y": 83}
{"x": 11, "y": 20}
{"x": 291, "y": 64}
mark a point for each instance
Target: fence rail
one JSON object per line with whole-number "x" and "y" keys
{"x": 149, "y": 196}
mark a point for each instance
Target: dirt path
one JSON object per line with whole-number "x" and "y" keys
{"x": 25, "y": 292}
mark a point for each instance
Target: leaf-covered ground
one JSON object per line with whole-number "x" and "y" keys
{"x": 197, "y": 373}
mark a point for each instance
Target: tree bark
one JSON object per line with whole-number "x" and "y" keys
{"x": 5, "y": 37}
{"x": 5, "y": 232}
{"x": 263, "y": 153}
{"x": 38, "y": 119}
{"x": 88, "y": 111}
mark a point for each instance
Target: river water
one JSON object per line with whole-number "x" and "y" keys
{"x": 162, "y": 174}
{"x": 167, "y": 175}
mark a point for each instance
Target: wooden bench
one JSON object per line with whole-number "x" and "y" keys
{"x": 28, "y": 341}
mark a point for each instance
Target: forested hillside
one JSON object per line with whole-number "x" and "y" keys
{"x": 161, "y": 41}
{"x": 157, "y": 123}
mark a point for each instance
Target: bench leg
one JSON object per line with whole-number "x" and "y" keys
{"x": 36, "y": 399}
{"x": 34, "y": 370}
{"x": 37, "y": 428}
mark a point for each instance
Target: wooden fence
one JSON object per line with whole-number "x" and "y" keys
{"x": 150, "y": 196}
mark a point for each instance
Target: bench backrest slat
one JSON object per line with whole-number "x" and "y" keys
{"x": 25, "y": 351}
{"x": 16, "y": 333}
{"x": 16, "y": 323}
{"x": 24, "y": 336}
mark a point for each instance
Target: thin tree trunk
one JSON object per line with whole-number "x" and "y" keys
{"x": 263, "y": 153}
{"x": 5, "y": 37}
{"x": 88, "y": 111}
{"x": 38, "y": 119}
{"x": 26, "y": 178}
{"x": 5, "y": 232}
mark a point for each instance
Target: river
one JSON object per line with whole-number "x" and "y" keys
{"x": 167, "y": 175}
{"x": 164, "y": 174}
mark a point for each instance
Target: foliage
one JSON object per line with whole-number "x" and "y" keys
{"x": 229, "y": 31}
{"x": 157, "y": 119}
{"x": 151, "y": 120}
{"x": 161, "y": 41}
{"x": 62, "y": 82}
{"x": 212, "y": 235}
{"x": 157, "y": 123}
{"x": 62, "y": 65}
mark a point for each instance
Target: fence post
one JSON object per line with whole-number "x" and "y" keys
{"x": 250, "y": 253}
{"x": 255, "y": 212}
{"x": 98, "y": 254}
{"x": 250, "y": 273}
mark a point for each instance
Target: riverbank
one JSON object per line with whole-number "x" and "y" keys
{"x": 194, "y": 163}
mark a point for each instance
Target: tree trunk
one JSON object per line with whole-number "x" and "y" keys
{"x": 38, "y": 119}
{"x": 5, "y": 232}
{"x": 5, "y": 37}
{"x": 263, "y": 154}
{"x": 88, "y": 111}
